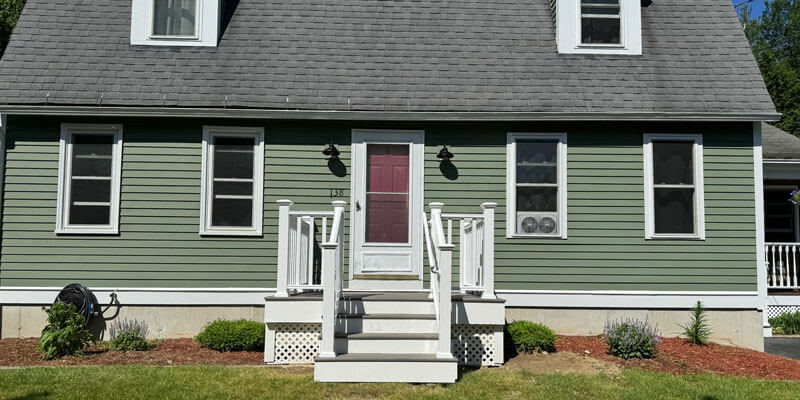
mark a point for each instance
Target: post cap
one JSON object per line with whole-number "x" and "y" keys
{"x": 488, "y": 205}
{"x": 284, "y": 202}
{"x": 436, "y": 205}
{"x": 339, "y": 203}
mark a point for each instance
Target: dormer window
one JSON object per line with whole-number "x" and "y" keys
{"x": 600, "y": 22}
{"x": 174, "y": 18}
{"x": 598, "y": 26}
{"x": 175, "y": 22}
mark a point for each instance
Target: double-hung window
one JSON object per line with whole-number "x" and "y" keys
{"x": 89, "y": 179}
{"x": 600, "y": 22}
{"x": 537, "y": 185}
{"x": 233, "y": 181}
{"x": 175, "y": 22}
{"x": 673, "y": 172}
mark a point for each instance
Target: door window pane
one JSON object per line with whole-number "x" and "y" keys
{"x": 174, "y": 17}
{"x": 674, "y": 210}
{"x": 387, "y": 193}
{"x": 673, "y": 163}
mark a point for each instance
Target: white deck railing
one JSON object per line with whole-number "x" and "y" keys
{"x": 332, "y": 279}
{"x": 299, "y": 251}
{"x": 782, "y": 265}
{"x": 475, "y": 248}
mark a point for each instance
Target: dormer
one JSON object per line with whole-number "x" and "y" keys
{"x": 598, "y": 26}
{"x": 175, "y": 22}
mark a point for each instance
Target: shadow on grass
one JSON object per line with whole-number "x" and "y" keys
{"x": 32, "y": 396}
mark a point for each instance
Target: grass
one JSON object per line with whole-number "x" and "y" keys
{"x": 209, "y": 382}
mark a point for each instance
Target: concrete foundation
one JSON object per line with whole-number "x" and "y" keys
{"x": 163, "y": 321}
{"x": 740, "y": 328}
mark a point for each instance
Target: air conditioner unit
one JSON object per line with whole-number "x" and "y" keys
{"x": 537, "y": 223}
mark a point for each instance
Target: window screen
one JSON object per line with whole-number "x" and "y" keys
{"x": 600, "y": 22}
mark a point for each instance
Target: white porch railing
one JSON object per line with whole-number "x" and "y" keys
{"x": 782, "y": 265}
{"x": 476, "y": 249}
{"x": 332, "y": 279}
{"x": 299, "y": 252}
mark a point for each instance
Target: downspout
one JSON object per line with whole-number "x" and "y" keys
{"x": 761, "y": 258}
{"x": 2, "y": 187}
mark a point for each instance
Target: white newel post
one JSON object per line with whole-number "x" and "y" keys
{"x": 445, "y": 300}
{"x": 328, "y": 299}
{"x": 283, "y": 248}
{"x": 488, "y": 250}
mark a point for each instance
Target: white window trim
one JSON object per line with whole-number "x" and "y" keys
{"x": 699, "y": 198}
{"x": 511, "y": 184}
{"x": 65, "y": 174}
{"x": 208, "y": 175}
{"x": 206, "y": 25}
{"x": 568, "y": 29}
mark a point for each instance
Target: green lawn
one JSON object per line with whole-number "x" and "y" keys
{"x": 213, "y": 382}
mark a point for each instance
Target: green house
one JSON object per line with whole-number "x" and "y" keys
{"x": 385, "y": 183}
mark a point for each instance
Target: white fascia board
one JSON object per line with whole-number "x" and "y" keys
{"x": 628, "y": 299}
{"x": 415, "y": 116}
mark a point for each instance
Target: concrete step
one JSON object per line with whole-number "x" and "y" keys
{"x": 387, "y": 323}
{"x": 381, "y": 367}
{"x": 386, "y": 343}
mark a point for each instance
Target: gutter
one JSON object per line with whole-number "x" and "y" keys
{"x": 415, "y": 116}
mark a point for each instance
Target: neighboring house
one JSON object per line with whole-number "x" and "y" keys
{"x": 606, "y": 164}
{"x": 781, "y": 152}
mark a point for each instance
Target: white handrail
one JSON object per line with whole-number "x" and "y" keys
{"x": 332, "y": 280}
{"x": 444, "y": 259}
{"x": 434, "y": 266}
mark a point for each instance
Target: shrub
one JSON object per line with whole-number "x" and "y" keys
{"x": 241, "y": 335}
{"x": 530, "y": 338}
{"x": 697, "y": 330}
{"x": 64, "y": 334}
{"x": 631, "y": 338}
{"x": 129, "y": 335}
{"x": 787, "y": 323}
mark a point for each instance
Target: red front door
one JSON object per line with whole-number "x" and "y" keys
{"x": 387, "y": 193}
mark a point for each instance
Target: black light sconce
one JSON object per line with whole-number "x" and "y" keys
{"x": 331, "y": 151}
{"x": 444, "y": 154}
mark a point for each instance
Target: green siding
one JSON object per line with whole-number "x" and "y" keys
{"x": 159, "y": 245}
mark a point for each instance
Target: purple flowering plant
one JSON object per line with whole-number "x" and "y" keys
{"x": 794, "y": 197}
{"x": 631, "y": 338}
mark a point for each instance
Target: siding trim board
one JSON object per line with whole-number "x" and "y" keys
{"x": 635, "y": 299}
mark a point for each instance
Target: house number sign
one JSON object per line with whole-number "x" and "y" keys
{"x": 337, "y": 192}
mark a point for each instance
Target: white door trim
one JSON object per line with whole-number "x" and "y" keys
{"x": 416, "y": 138}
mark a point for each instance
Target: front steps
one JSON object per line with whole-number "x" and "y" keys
{"x": 389, "y": 337}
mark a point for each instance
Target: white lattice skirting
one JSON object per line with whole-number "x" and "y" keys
{"x": 774, "y": 311}
{"x": 473, "y": 345}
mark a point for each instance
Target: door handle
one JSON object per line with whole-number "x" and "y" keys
{"x": 358, "y": 206}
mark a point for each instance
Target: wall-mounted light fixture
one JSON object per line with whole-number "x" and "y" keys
{"x": 331, "y": 151}
{"x": 444, "y": 154}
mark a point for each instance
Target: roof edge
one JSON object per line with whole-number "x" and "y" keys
{"x": 434, "y": 116}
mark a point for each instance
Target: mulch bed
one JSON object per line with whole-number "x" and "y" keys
{"x": 22, "y": 352}
{"x": 674, "y": 356}
{"x": 678, "y": 357}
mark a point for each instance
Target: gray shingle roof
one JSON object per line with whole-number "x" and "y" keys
{"x": 416, "y": 55}
{"x": 778, "y": 144}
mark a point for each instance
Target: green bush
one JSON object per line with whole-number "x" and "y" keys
{"x": 64, "y": 334}
{"x": 531, "y": 338}
{"x": 631, "y": 338}
{"x": 129, "y": 335}
{"x": 787, "y": 323}
{"x": 241, "y": 335}
{"x": 697, "y": 331}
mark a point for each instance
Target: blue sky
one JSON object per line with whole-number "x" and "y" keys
{"x": 757, "y": 6}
